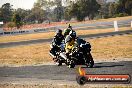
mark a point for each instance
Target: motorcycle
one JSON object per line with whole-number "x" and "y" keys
{"x": 80, "y": 55}
{"x": 60, "y": 56}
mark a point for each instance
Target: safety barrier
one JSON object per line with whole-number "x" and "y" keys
{"x": 115, "y": 25}
{"x": 17, "y": 32}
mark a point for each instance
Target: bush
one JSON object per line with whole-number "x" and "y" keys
{"x": 106, "y": 16}
{"x": 121, "y": 15}
{"x": 10, "y": 25}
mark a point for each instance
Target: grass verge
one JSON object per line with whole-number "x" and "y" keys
{"x": 102, "y": 48}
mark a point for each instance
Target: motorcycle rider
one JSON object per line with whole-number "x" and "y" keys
{"x": 70, "y": 42}
{"x": 56, "y": 42}
{"x": 86, "y": 51}
{"x": 67, "y": 31}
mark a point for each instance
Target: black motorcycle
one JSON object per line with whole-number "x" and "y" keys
{"x": 80, "y": 55}
{"x": 60, "y": 56}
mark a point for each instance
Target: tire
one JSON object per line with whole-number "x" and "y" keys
{"x": 81, "y": 80}
{"x": 87, "y": 64}
{"x": 71, "y": 65}
{"x": 59, "y": 63}
{"x": 91, "y": 64}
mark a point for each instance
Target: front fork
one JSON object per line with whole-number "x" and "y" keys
{"x": 87, "y": 57}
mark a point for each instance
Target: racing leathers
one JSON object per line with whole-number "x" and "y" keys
{"x": 56, "y": 42}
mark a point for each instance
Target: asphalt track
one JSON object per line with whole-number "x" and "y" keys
{"x": 101, "y": 25}
{"x": 13, "y": 44}
{"x": 54, "y": 72}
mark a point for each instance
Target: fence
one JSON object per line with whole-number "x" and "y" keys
{"x": 18, "y": 32}
{"x": 83, "y": 26}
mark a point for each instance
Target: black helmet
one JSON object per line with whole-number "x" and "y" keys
{"x": 69, "y": 26}
{"x": 58, "y": 32}
{"x": 68, "y": 38}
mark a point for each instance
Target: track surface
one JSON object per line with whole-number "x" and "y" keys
{"x": 53, "y": 72}
{"x": 100, "y": 25}
{"x": 12, "y": 44}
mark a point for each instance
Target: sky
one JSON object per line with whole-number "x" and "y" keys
{"x": 24, "y": 4}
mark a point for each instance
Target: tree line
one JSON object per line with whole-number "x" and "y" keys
{"x": 56, "y": 11}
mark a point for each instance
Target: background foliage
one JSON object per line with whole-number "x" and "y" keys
{"x": 46, "y": 11}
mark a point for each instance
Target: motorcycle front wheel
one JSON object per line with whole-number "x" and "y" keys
{"x": 59, "y": 63}
{"x": 71, "y": 64}
{"x": 90, "y": 61}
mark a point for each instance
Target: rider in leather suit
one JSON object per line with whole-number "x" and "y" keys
{"x": 56, "y": 42}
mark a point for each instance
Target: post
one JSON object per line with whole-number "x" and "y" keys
{"x": 1, "y": 30}
{"x": 116, "y": 26}
{"x": 1, "y": 23}
{"x": 131, "y": 24}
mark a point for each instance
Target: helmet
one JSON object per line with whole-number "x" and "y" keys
{"x": 72, "y": 34}
{"x": 68, "y": 38}
{"x": 58, "y": 32}
{"x": 69, "y": 26}
{"x": 66, "y": 31}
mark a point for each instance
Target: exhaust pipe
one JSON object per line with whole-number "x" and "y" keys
{"x": 51, "y": 55}
{"x": 63, "y": 55}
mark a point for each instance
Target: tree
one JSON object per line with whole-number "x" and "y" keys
{"x": 104, "y": 10}
{"x": 124, "y": 6}
{"x": 67, "y": 16}
{"x": 1, "y": 19}
{"x": 9, "y": 25}
{"x": 112, "y": 9}
{"x": 37, "y": 13}
{"x": 46, "y": 6}
{"x": 27, "y": 17}
{"x": 68, "y": 2}
{"x": 84, "y": 8}
{"x": 6, "y": 12}
{"x": 93, "y": 8}
{"x": 59, "y": 10}
{"x": 76, "y": 11}
{"x": 17, "y": 20}
{"x": 23, "y": 14}
{"x": 128, "y": 7}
